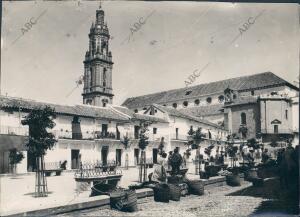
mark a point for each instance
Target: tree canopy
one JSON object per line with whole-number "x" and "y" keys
{"x": 40, "y": 121}
{"x": 143, "y": 137}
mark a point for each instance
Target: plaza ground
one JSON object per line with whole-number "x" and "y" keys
{"x": 224, "y": 201}
{"x": 17, "y": 192}
{"x": 17, "y": 196}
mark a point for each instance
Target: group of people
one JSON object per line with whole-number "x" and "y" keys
{"x": 174, "y": 161}
{"x": 288, "y": 163}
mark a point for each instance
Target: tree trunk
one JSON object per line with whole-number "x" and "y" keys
{"x": 126, "y": 160}
{"x": 41, "y": 189}
{"x": 143, "y": 169}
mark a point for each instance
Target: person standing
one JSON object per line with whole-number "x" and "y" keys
{"x": 176, "y": 161}
{"x": 169, "y": 159}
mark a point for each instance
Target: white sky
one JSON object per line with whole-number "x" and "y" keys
{"x": 177, "y": 39}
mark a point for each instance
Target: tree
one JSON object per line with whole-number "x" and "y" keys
{"x": 126, "y": 143}
{"x": 198, "y": 137}
{"x": 161, "y": 146}
{"x": 194, "y": 140}
{"x": 143, "y": 143}
{"x": 15, "y": 157}
{"x": 231, "y": 149}
{"x": 40, "y": 120}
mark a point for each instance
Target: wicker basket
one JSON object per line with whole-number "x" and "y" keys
{"x": 161, "y": 193}
{"x": 124, "y": 200}
{"x": 251, "y": 175}
{"x": 184, "y": 189}
{"x": 196, "y": 187}
{"x": 204, "y": 175}
{"x": 175, "y": 179}
{"x": 233, "y": 180}
{"x": 257, "y": 182}
{"x": 175, "y": 192}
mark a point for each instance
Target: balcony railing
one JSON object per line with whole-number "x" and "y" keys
{"x": 178, "y": 137}
{"x": 185, "y": 137}
{"x": 20, "y": 131}
{"x": 152, "y": 137}
{"x": 280, "y": 131}
{"x": 85, "y": 135}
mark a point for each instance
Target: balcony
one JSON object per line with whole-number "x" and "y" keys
{"x": 151, "y": 136}
{"x": 179, "y": 137}
{"x": 279, "y": 131}
{"x": 85, "y": 135}
{"x": 20, "y": 131}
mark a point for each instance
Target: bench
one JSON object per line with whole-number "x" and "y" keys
{"x": 48, "y": 172}
{"x": 52, "y": 167}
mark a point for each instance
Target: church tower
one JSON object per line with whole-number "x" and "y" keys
{"x": 97, "y": 89}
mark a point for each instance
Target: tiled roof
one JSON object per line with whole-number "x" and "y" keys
{"x": 177, "y": 113}
{"x": 257, "y": 81}
{"x": 201, "y": 111}
{"x": 136, "y": 116}
{"x": 80, "y": 110}
{"x": 99, "y": 112}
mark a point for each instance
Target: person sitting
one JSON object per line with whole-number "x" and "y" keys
{"x": 63, "y": 165}
{"x": 159, "y": 173}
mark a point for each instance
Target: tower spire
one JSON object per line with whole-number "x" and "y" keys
{"x": 98, "y": 64}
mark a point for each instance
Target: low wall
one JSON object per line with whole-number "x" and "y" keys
{"x": 102, "y": 202}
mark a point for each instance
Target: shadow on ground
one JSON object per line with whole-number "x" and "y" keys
{"x": 33, "y": 193}
{"x": 280, "y": 201}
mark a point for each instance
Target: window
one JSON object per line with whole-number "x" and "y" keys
{"x": 104, "y": 77}
{"x": 197, "y": 102}
{"x": 92, "y": 77}
{"x": 104, "y": 102}
{"x": 275, "y": 128}
{"x": 136, "y": 132}
{"x": 188, "y": 92}
{"x": 89, "y": 102}
{"x": 104, "y": 129}
{"x": 243, "y": 119}
{"x": 286, "y": 114}
{"x": 174, "y": 105}
{"x": 234, "y": 96}
{"x": 154, "y": 130}
{"x": 221, "y": 98}
{"x": 185, "y": 103}
{"x": 252, "y": 92}
{"x": 208, "y": 100}
{"x": 176, "y": 130}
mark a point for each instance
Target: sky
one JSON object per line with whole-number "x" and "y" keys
{"x": 44, "y": 62}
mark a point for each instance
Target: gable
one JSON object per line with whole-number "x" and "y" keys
{"x": 276, "y": 121}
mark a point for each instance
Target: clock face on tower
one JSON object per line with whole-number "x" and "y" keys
{"x": 98, "y": 64}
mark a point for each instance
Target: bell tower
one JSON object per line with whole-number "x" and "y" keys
{"x": 97, "y": 89}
